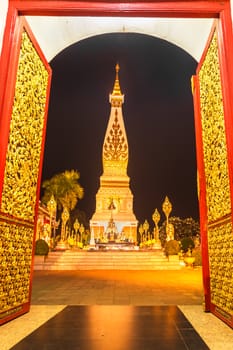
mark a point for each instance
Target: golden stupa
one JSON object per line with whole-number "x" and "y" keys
{"x": 114, "y": 199}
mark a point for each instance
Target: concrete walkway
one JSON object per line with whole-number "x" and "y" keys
{"x": 101, "y": 287}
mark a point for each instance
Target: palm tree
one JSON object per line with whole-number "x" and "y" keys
{"x": 65, "y": 188}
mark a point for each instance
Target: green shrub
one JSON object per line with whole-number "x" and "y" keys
{"x": 172, "y": 247}
{"x": 42, "y": 247}
{"x": 187, "y": 243}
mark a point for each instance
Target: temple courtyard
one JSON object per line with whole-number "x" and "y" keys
{"x": 117, "y": 310}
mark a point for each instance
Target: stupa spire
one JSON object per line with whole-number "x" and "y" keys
{"x": 117, "y": 88}
{"x": 115, "y": 147}
{"x": 114, "y": 195}
{"x": 116, "y": 98}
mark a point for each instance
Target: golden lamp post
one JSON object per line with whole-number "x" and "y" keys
{"x": 156, "y": 218}
{"x": 167, "y": 208}
{"x": 52, "y": 209}
{"x": 76, "y": 228}
{"x": 146, "y": 227}
{"x": 141, "y": 230}
{"x": 81, "y": 230}
{"x": 64, "y": 216}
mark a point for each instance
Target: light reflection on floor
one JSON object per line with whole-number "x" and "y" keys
{"x": 216, "y": 334}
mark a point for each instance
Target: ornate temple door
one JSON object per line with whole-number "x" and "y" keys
{"x": 25, "y": 77}
{"x": 214, "y": 139}
{"x": 22, "y": 134}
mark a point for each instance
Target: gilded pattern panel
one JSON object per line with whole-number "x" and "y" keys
{"x": 115, "y": 150}
{"x": 15, "y": 259}
{"x": 25, "y": 137}
{"x": 115, "y": 147}
{"x": 220, "y": 238}
{"x": 214, "y": 138}
{"x": 221, "y": 262}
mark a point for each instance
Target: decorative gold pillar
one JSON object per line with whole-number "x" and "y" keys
{"x": 167, "y": 208}
{"x": 64, "y": 216}
{"x": 52, "y": 209}
{"x": 81, "y": 230}
{"x": 141, "y": 230}
{"x": 76, "y": 228}
{"x": 146, "y": 228}
{"x": 156, "y": 219}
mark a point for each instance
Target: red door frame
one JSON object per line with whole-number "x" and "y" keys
{"x": 227, "y": 105}
{"x": 173, "y": 8}
{"x": 9, "y": 89}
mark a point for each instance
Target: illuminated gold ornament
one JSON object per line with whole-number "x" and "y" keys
{"x": 81, "y": 230}
{"x": 64, "y": 216}
{"x": 21, "y": 173}
{"x": 141, "y": 230}
{"x": 167, "y": 208}
{"x": 76, "y": 225}
{"x": 76, "y": 228}
{"x": 116, "y": 98}
{"x": 146, "y": 227}
{"x": 214, "y": 136}
{"x": 16, "y": 258}
{"x": 52, "y": 206}
{"x": 170, "y": 231}
{"x": 115, "y": 147}
{"x": 156, "y": 219}
{"x": 218, "y": 200}
{"x": 25, "y": 137}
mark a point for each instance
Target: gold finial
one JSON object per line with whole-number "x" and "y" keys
{"x": 116, "y": 88}
{"x": 116, "y": 98}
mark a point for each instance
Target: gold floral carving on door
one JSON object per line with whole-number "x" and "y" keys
{"x": 217, "y": 184}
{"x": 20, "y": 185}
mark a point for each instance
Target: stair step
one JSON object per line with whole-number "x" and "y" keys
{"x": 110, "y": 260}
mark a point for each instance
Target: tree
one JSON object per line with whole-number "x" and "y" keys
{"x": 80, "y": 215}
{"x": 191, "y": 227}
{"x": 183, "y": 228}
{"x": 187, "y": 243}
{"x": 65, "y": 188}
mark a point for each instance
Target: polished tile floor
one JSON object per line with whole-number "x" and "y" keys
{"x": 116, "y": 328}
{"x": 117, "y": 310}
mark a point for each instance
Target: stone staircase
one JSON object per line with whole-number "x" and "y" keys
{"x": 106, "y": 260}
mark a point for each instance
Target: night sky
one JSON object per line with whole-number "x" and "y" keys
{"x": 158, "y": 114}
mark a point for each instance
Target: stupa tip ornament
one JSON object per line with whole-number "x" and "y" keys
{"x": 116, "y": 98}
{"x": 117, "y": 67}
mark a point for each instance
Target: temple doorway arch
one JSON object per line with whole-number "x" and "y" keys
{"x": 213, "y": 119}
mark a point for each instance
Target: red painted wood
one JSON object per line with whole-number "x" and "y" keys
{"x": 202, "y": 194}
{"x": 8, "y": 68}
{"x": 214, "y": 310}
{"x": 123, "y": 8}
{"x": 22, "y": 309}
{"x": 225, "y": 44}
